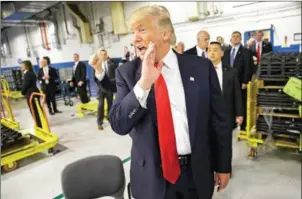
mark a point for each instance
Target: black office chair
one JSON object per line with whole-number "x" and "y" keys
{"x": 94, "y": 177}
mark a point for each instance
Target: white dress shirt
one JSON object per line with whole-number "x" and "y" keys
{"x": 219, "y": 72}
{"x": 75, "y": 66}
{"x": 259, "y": 43}
{"x": 200, "y": 51}
{"x": 100, "y": 76}
{"x": 45, "y": 71}
{"x": 175, "y": 87}
{"x": 236, "y": 50}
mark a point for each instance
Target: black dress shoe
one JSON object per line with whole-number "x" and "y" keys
{"x": 51, "y": 113}
{"x": 58, "y": 111}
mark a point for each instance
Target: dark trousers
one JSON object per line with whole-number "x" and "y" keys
{"x": 83, "y": 93}
{"x": 184, "y": 188}
{"x": 50, "y": 95}
{"x": 101, "y": 98}
{"x": 35, "y": 113}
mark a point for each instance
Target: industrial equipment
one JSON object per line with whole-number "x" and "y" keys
{"x": 31, "y": 143}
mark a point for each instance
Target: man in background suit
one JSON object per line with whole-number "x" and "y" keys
{"x": 200, "y": 49}
{"x": 172, "y": 107}
{"x": 240, "y": 58}
{"x": 104, "y": 76}
{"x": 229, "y": 84}
{"x": 79, "y": 78}
{"x": 180, "y": 47}
{"x": 47, "y": 76}
{"x": 260, "y": 47}
{"x": 224, "y": 46}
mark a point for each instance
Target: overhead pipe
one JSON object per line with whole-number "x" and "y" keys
{"x": 44, "y": 36}
{"x": 25, "y": 21}
{"x": 27, "y": 42}
{"x": 56, "y": 27}
{"x": 8, "y": 45}
{"x": 19, "y": 25}
{"x": 65, "y": 20}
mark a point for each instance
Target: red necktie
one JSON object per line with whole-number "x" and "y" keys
{"x": 167, "y": 142}
{"x": 258, "y": 53}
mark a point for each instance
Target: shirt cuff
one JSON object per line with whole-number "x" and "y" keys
{"x": 141, "y": 95}
{"x": 100, "y": 76}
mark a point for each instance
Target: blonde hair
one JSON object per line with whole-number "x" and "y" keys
{"x": 160, "y": 13}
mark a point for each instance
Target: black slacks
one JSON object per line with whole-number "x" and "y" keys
{"x": 184, "y": 188}
{"x": 101, "y": 98}
{"x": 35, "y": 113}
{"x": 50, "y": 95}
{"x": 83, "y": 93}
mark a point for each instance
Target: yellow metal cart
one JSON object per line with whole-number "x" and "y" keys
{"x": 250, "y": 110}
{"x": 91, "y": 108}
{"x": 88, "y": 108}
{"x": 42, "y": 139}
{"x": 7, "y": 116}
{"x": 256, "y": 137}
{"x": 6, "y": 91}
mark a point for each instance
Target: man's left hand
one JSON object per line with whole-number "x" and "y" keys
{"x": 244, "y": 86}
{"x": 222, "y": 180}
{"x": 80, "y": 83}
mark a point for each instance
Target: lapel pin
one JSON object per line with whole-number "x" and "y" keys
{"x": 192, "y": 79}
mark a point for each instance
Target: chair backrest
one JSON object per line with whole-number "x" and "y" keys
{"x": 94, "y": 177}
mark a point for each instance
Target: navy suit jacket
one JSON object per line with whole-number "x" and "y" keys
{"x": 210, "y": 135}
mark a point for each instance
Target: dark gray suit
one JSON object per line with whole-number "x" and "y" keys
{"x": 106, "y": 89}
{"x": 232, "y": 93}
{"x": 210, "y": 135}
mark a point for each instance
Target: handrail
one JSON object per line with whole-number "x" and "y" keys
{"x": 34, "y": 94}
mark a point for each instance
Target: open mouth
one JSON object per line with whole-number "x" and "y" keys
{"x": 141, "y": 49}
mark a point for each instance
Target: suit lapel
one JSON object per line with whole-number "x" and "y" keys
{"x": 191, "y": 94}
{"x": 238, "y": 54}
{"x": 224, "y": 78}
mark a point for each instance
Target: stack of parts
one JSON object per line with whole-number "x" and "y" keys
{"x": 275, "y": 97}
{"x": 17, "y": 78}
{"x": 278, "y": 112}
{"x": 9, "y": 137}
{"x": 280, "y": 66}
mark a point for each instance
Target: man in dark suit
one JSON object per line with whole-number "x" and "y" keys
{"x": 104, "y": 76}
{"x": 175, "y": 123}
{"x": 240, "y": 58}
{"x": 47, "y": 76}
{"x": 229, "y": 84}
{"x": 224, "y": 46}
{"x": 260, "y": 47}
{"x": 203, "y": 38}
{"x": 79, "y": 78}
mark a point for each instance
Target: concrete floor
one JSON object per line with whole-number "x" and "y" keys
{"x": 274, "y": 175}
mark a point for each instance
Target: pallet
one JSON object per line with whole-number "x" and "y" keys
{"x": 274, "y": 99}
{"x": 270, "y": 82}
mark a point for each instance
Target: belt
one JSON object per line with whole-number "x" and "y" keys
{"x": 184, "y": 159}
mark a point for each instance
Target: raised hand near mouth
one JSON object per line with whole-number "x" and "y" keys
{"x": 150, "y": 72}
